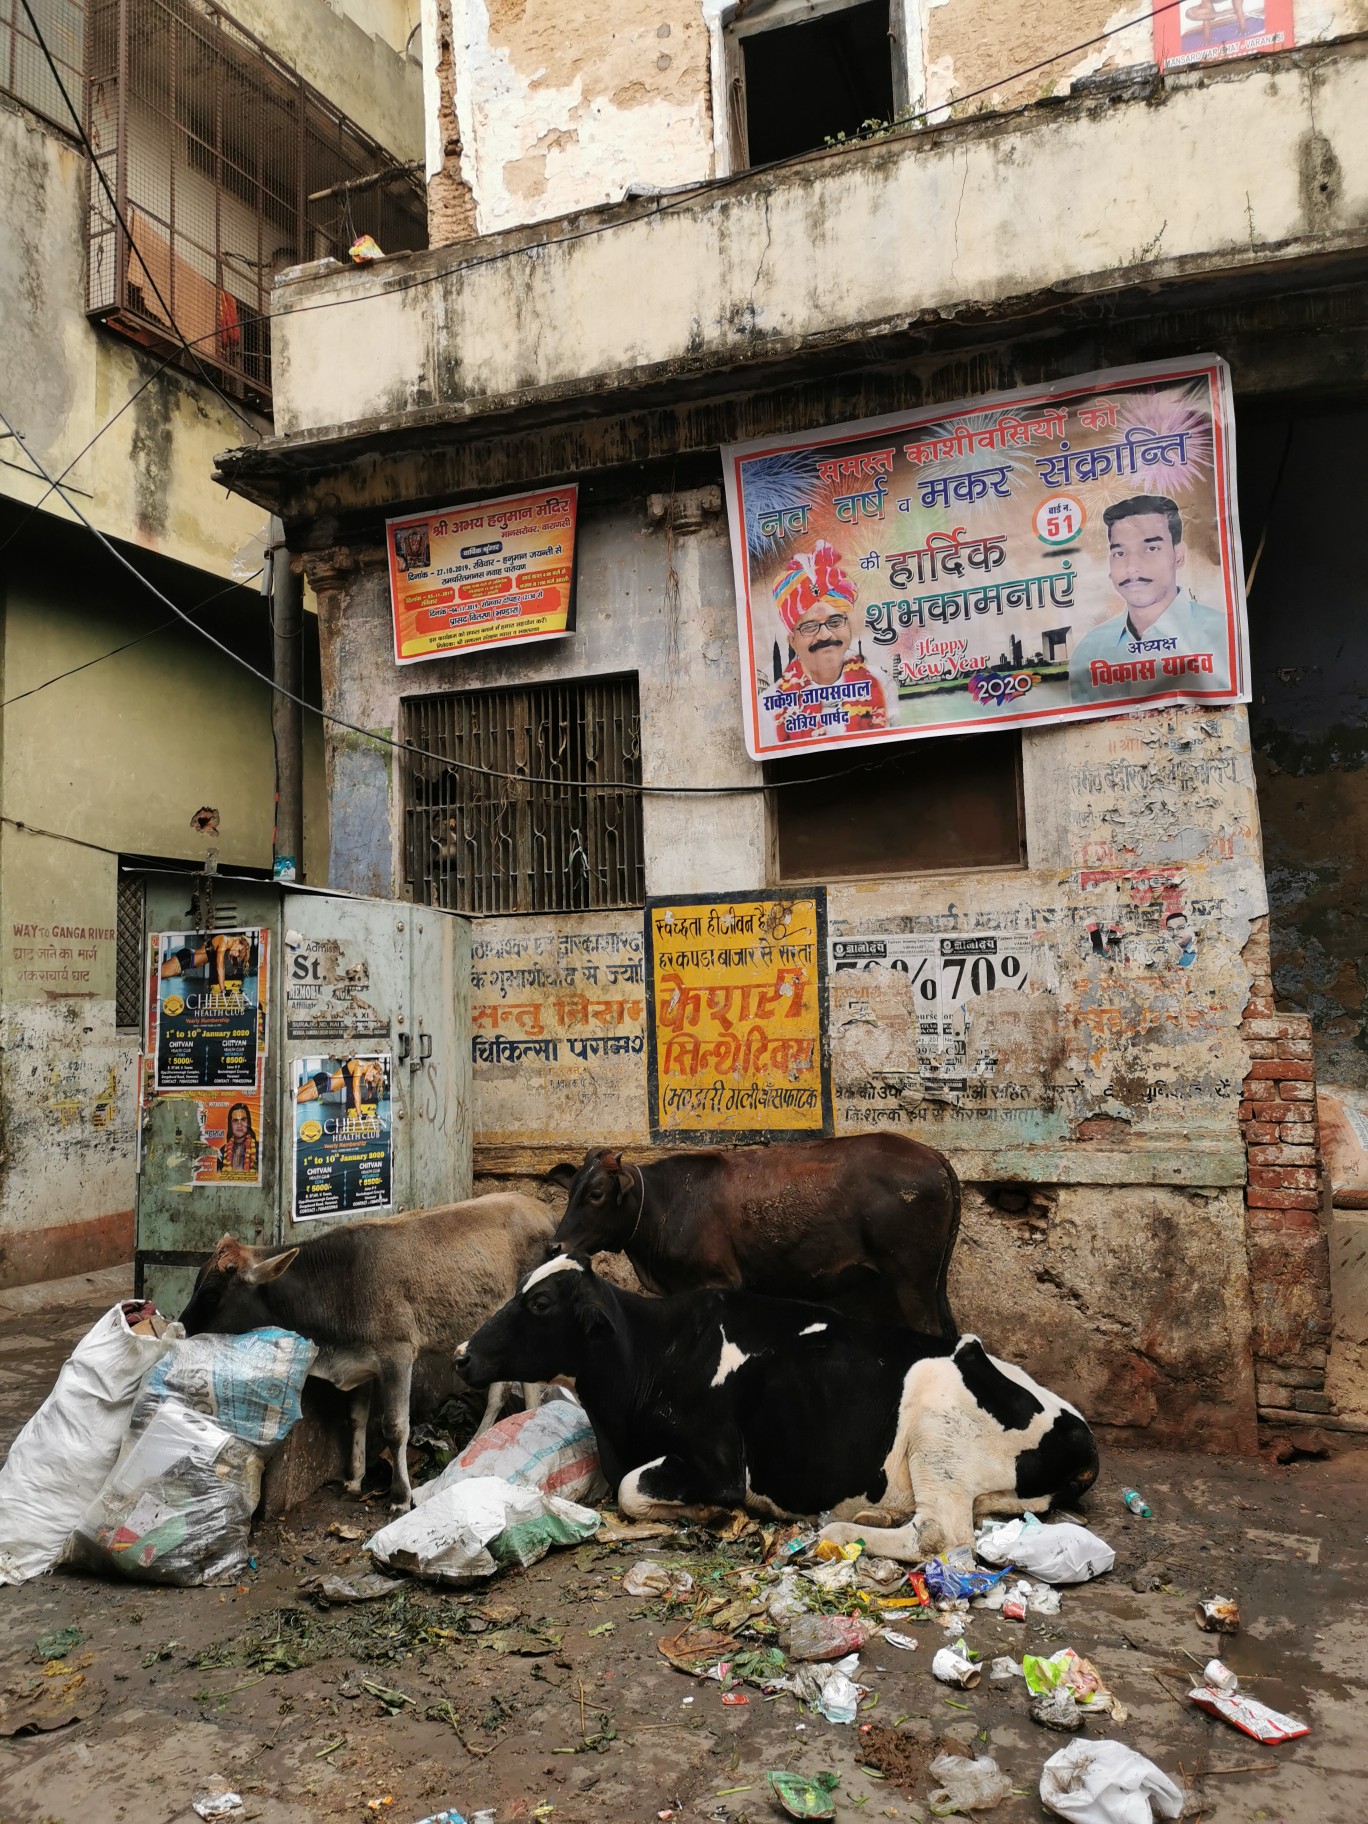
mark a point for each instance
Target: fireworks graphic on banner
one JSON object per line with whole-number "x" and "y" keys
{"x": 772, "y": 484}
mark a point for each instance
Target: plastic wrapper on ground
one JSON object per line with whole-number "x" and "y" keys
{"x": 802, "y": 1797}
{"x": 1246, "y": 1713}
{"x": 828, "y": 1636}
{"x": 647, "y": 1578}
{"x": 1107, "y": 1783}
{"x": 1068, "y": 1671}
{"x": 469, "y": 1529}
{"x": 967, "y": 1785}
{"x": 552, "y": 1449}
{"x": 1056, "y": 1554}
{"x": 178, "y": 1507}
{"x": 58, "y": 1461}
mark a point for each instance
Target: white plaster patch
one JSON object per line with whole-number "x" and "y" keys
{"x": 812, "y": 1330}
{"x": 730, "y": 1359}
{"x": 563, "y": 1263}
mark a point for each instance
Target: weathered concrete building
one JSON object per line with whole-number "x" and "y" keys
{"x": 675, "y": 249}
{"x": 118, "y": 723}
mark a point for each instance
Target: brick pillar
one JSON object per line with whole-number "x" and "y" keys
{"x": 1289, "y": 1266}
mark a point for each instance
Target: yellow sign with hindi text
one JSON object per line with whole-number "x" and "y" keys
{"x": 737, "y": 1016}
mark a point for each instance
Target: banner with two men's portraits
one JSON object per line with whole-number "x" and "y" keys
{"x": 1046, "y": 555}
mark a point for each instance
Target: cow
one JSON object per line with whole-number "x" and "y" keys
{"x": 865, "y": 1224}
{"x": 712, "y": 1400}
{"x": 376, "y": 1293}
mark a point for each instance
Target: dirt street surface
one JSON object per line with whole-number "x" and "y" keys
{"x": 543, "y": 1695}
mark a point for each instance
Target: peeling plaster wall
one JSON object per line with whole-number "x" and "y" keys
{"x": 1111, "y": 1078}
{"x": 562, "y": 109}
{"x": 712, "y": 284}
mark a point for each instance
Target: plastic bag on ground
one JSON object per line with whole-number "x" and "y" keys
{"x": 1057, "y": 1554}
{"x": 947, "y": 1579}
{"x": 552, "y": 1449}
{"x": 647, "y": 1578}
{"x": 466, "y": 1530}
{"x": 830, "y": 1688}
{"x": 1247, "y": 1713}
{"x": 964, "y": 1785}
{"x": 802, "y": 1797}
{"x": 1068, "y": 1671}
{"x": 178, "y": 1507}
{"x": 1107, "y": 1783}
{"x": 57, "y": 1463}
{"x": 251, "y": 1384}
{"x": 828, "y": 1636}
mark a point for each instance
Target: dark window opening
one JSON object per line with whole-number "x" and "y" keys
{"x": 525, "y": 800}
{"x": 922, "y": 807}
{"x": 814, "y": 80}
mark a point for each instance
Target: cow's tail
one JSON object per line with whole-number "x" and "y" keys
{"x": 948, "y": 1325}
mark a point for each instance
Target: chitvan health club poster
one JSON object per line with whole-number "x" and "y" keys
{"x": 1044, "y": 555}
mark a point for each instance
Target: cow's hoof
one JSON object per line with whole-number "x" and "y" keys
{"x": 352, "y": 1488}
{"x": 401, "y": 1505}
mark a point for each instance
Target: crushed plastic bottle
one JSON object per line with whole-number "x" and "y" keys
{"x": 1136, "y": 1502}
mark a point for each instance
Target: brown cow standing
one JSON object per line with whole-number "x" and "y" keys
{"x": 865, "y": 1224}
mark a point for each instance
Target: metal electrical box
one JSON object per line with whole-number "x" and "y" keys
{"x": 305, "y": 1062}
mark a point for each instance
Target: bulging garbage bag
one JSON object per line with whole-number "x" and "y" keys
{"x": 466, "y": 1530}
{"x": 1096, "y": 1782}
{"x": 57, "y": 1463}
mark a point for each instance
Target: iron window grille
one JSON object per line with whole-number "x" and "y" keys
{"x": 228, "y": 167}
{"x": 129, "y": 954}
{"x": 24, "y": 73}
{"x": 558, "y": 826}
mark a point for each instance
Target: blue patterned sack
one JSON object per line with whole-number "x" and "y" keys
{"x": 250, "y": 1384}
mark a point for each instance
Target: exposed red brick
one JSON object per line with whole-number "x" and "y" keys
{"x": 1284, "y": 1177}
{"x": 1291, "y": 1072}
{"x": 1269, "y": 1197}
{"x": 1296, "y": 1111}
{"x": 1273, "y": 1154}
{"x": 1264, "y": 1133}
{"x": 1295, "y": 1092}
{"x": 1258, "y": 1089}
{"x": 1261, "y": 1048}
{"x": 1259, "y": 1006}
{"x": 1294, "y": 1048}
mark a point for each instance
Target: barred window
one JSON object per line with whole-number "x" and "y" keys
{"x": 129, "y": 962}
{"x": 24, "y": 72}
{"x": 228, "y": 167}
{"x": 525, "y": 800}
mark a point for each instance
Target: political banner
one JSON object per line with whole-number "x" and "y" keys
{"x": 343, "y": 1135}
{"x": 490, "y": 573}
{"x": 207, "y": 1008}
{"x": 1210, "y": 31}
{"x": 737, "y": 1016}
{"x": 1039, "y": 556}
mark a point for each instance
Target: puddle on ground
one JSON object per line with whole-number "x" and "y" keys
{"x": 1276, "y": 1674}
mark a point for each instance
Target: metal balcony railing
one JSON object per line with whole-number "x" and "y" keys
{"x": 228, "y": 167}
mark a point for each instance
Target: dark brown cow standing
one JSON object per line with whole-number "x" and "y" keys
{"x": 865, "y": 1224}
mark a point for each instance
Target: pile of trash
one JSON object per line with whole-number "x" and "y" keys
{"x": 145, "y": 1460}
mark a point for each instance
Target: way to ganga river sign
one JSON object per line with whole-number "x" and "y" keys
{"x": 1039, "y": 556}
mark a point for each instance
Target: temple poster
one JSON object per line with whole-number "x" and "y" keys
{"x": 1045, "y": 555}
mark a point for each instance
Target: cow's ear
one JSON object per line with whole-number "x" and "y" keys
{"x": 596, "y": 1311}
{"x": 562, "y": 1174}
{"x": 263, "y": 1272}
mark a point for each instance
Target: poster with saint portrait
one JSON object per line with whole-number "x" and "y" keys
{"x": 1045, "y": 555}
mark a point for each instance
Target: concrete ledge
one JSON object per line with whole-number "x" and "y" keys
{"x": 107, "y": 1286}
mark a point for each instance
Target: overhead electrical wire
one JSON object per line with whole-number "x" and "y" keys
{"x": 655, "y": 207}
{"x": 114, "y": 651}
{"x": 98, "y": 169}
{"x": 446, "y": 761}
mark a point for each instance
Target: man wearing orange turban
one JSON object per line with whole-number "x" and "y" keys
{"x": 814, "y": 599}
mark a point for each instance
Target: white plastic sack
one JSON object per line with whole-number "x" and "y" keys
{"x": 465, "y": 1531}
{"x": 1065, "y": 1553}
{"x": 60, "y": 1458}
{"x": 552, "y": 1449}
{"x": 177, "y": 1508}
{"x": 1100, "y": 1782}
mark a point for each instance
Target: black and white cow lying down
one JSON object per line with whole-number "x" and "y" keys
{"x": 714, "y": 1400}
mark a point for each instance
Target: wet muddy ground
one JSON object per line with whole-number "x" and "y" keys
{"x": 543, "y": 1694}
